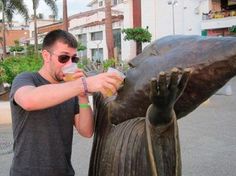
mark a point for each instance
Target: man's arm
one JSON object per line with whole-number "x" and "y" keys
{"x": 35, "y": 98}
{"x": 84, "y": 122}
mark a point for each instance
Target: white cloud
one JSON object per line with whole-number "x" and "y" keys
{"x": 73, "y": 7}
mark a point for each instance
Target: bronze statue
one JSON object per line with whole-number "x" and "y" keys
{"x": 132, "y": 139}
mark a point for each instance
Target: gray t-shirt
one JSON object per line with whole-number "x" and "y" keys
{"x": 42, "y": 138}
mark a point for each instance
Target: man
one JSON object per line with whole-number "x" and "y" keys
{"x": 44, "y": 109}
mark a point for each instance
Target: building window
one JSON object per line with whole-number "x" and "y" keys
{"x": 100, "y": 4}
{"x": 96, "y": 36}
{"x": 82, "y": 38}
{"x": 97, "y": 54}
{"x": 115, "y": 2}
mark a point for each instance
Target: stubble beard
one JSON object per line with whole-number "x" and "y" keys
{"x": 58, "y": 77}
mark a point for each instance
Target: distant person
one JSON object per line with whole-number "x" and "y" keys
{"x": 45, "y": 108}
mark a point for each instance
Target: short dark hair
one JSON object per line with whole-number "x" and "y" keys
{"x": 59, "y": 35}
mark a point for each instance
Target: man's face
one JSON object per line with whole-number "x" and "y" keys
{"x": 54, "y": 64}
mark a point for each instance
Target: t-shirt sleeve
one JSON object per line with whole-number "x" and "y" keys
{"x": 23, "y": 79}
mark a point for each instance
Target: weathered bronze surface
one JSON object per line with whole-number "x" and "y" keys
{"x": 125, "y": 143}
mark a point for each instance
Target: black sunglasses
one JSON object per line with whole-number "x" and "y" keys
{"x": 65, "y": 58}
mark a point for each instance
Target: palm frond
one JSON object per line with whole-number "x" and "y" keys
{"x": 20, "y": 7}
{"x": 53, "y": 6}
{"x": 9, "y": 13}
{"x": 12, "y": 6}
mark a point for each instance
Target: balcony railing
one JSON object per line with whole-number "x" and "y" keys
{"x": 218, "y": 20}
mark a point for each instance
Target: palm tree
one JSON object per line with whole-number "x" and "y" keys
{"x": 1, "y": 42}
{"x": 108, "y": 29}
{"x": 8, "y": 8}
{"x": 53, "y": 7}
{"x": 65, "y": 17}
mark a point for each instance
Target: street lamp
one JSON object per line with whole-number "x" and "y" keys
{"x": 173, "y": 3}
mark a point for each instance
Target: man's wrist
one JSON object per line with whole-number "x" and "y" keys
{"x": 84, "y": 105}
{"x": 83, "y": 99}
{"x": 85, "y": 86}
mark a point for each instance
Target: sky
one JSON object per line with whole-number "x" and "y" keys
{"x": 73, "y": 7}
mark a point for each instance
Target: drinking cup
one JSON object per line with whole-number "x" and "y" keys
{"x": 110, "y": 69}
{"x": 69, "y": 71}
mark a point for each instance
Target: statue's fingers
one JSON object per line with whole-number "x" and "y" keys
{"x": 154, "y": 91}
{"x": 173, "y": 86}
{"x": 184, "y": 79}
{"x": 162, "y": 83}
{"x": 174, "y": 78}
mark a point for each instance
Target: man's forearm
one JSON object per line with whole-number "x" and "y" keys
{"x": 35, "y": 98}
{"x": 84, "y": 122}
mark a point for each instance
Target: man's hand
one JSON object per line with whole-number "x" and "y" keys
{"x": 104, "y": 82}
{"x": 164, "y": 93}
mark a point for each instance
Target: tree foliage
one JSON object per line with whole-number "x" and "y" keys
{"x": 8, "y": 8}
{"x": 53, "y": 7}
{"x": 137, "y": 34}
{"x": 81, "y": 47}
{"x": 17, "y": 47}
{"x": 233, "y": 29}
{"x": 12, "y": 6}
{"x": 12, "y": 66}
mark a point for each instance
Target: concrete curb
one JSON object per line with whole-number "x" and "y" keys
{"x": 5, "y": 112}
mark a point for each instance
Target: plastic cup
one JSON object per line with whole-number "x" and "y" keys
{"x": 110, "y": 69}
{"x": 69, "y": 71}
{"x": 109, "y": 93}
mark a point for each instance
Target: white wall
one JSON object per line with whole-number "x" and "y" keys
{"x": 192, "y": 16}
{"x": 128, "y": 48}
{"x": 158, "y": 16}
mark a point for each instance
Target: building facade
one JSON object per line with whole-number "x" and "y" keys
{"x": 89, "y": 28}
{"x": 15, "y": 32}
{"x": 162, "y": 17}
{"x": 188, "y": 17}
{"x": 220, "y": 19}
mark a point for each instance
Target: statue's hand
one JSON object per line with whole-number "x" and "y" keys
{"x": 164, "y": 93}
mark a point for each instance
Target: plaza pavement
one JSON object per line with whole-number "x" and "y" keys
{"x": 207, "y": 137}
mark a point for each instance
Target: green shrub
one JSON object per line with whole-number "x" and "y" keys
{"x": 30, "y": 50}
{"x": 12, "y": 66}
{"x": 81, "y": 47}
{"x": 137, "y": 34}
{"x": 16, "y": 48}
{"x": 232, "y": 29}
{"x": 109, "y": 63}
